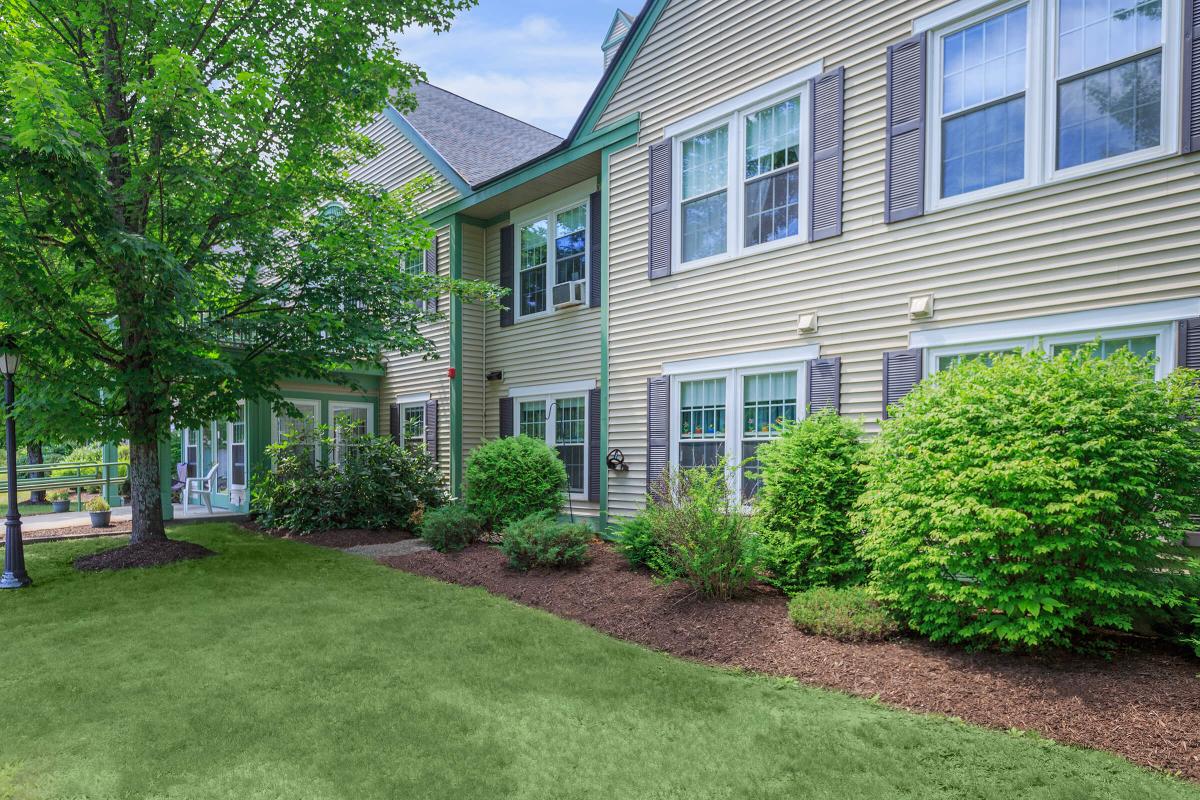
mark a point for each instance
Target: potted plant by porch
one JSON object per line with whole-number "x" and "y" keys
{"x": 100, "y": 512}
{"x": 60, "y": 502}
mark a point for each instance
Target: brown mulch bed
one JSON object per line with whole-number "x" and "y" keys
{"x": 143, "y": 554}
{"x": 338, "y": 539}
{"x": 1143, "y": 704}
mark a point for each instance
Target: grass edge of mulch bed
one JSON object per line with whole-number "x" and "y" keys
{"x": 565, "y": 593}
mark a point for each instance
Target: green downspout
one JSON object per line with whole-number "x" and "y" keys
{"x": 456, "y": 334}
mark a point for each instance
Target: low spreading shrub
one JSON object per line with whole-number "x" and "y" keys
{"x": 450, "y": 528}
{"x": 378, "y": 485}
{"x": 539, "y": 540}
{"x": 1035, "y": 501}
{"x": 702, "y": 537}
{"x": 811, "y": 477}
{"x": 848, "y": 614}
{"x": 508, "y": 479}
{"x": 635, "y": 541}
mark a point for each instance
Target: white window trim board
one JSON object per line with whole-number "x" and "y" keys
{"x": 556, "y": 203}
{"x": 410, "y": 399}
{"x": 417, "y": 404}
{"x": 339, "y": 405}
{"x": 1041, "y": 92}
{"x": 563, "y": 198}
{"x": 757, "y": 96}
{"x": 569, "y": 387}
{"x": 762, "y": 358}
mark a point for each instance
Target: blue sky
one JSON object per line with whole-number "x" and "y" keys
{"x": 537, "y": 60}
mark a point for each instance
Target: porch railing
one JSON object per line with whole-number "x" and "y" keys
{"x": 78, "y": 476}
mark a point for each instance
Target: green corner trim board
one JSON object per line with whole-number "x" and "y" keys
{"x": 456, "y": 351}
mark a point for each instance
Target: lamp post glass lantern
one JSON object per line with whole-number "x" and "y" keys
{"x": 14, "y": 576}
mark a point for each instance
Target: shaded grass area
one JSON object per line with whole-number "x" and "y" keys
{"x": 277, "y": 669}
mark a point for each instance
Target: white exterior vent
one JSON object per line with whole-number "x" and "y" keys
{"x": 572, "y": 293}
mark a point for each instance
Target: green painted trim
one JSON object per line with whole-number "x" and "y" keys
{"x": 478, "y": 223}
{"x": 605, "y": 198}
{"x": 617, "y": 71}
{"x": 595, "y": 143}
{"x": 429, "y": 151}
{"x": 456, "y": 359}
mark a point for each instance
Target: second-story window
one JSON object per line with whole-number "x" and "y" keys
{"x": 551, "y": 250}
{"x": 772, "y": 173}
{"x": 705, "y": 202}
{"x": 532, "y": 281}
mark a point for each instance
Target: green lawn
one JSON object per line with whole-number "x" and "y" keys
{"x": 278, "y": 670}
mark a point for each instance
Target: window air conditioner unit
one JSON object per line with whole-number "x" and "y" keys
{"x": 572, "y": 293}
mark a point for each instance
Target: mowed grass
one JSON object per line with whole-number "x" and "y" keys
{"x": 278, "y": 670}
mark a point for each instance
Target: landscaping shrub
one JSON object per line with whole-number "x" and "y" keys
{"x": 848, "y": 614}
{"x": 1033, "y": 501}
{"x": 539, "y": 540}
{"x": 97, "y": 505}
{"x": 450, "y": 528}
{"x": 636, "y": 541}
{"x": 703, "y": 538}
{"x": 508, "y": 479}
{"x": 379, "y": 485}
{"x": 811, "y": 478}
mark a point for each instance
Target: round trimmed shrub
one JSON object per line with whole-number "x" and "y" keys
{"x": 811, "y": 478}
{"x": 847, "y": 614}
{"x": 508, "y": 479}
{"x": 1033, "y": 501}
{"x": 539, "y": 540}
{"x": 637, "y": 542}
{"x": 450, "y": 528}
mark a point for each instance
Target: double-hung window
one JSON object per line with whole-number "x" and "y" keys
{"x": 412, "y": 418}
{"x": 349, "y": 420}
{"x": 737, "y": 181}
{"x": 551, "y": 250}
{"x": 302, "y": 431}
{"x": 1029, "y": 92}
{"x": 561, "y": 422}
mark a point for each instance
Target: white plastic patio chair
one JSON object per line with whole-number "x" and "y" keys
{"x": 203, "y": 485}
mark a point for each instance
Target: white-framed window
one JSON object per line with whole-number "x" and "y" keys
{"x": 305, "y": 425}
{"x": 237, "y": 449}
{"x": 560, "y": 420}
{"x": 730, "y": 412}
{"x": 1034, "y": 91}
{"x": 412, "y": 418}
{"x": 738, "y": 178}
{"x": 349, "y": 420}
{"x": 552, "y": 249}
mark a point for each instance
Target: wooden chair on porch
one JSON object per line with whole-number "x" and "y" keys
{"x": 202, "y": 485}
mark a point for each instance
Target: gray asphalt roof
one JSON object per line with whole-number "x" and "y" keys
{"x": 476, "y": 141}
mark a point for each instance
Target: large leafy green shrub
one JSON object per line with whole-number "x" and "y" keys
{"x": 703, "y": 538}
{"x": 539, "y": 540}
{"x": 450, "y": 528}
{"x": 508, "y": 479}
{"x": 378, "y": 485}
{"x": 1033, "y": 501}
{"x": 847, "y": 613}
{"x": 811, "y": 478}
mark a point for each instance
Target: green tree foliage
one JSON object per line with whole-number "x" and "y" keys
{"x": 508, "y": 479}
{"x": 1034, "y": 501}
{"x": 160, "y": 163}
{"x": 811, "y": 479}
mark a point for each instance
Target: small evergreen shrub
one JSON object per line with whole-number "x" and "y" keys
{"x": 636, "y": 541}
{"x": 1034, "y": 501}
{"x": 508, "y": 479}
{"x": 847, "y": 614}
{"x": 450, "y": 528}
{"x": 703, "y": 539}
{"x": 539, "y": 540}
{"x": 811, "y": 478}
{"x": 378, "y": 485}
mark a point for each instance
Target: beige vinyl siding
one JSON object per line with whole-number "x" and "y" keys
{"x": 559, "y": 348}
{"x": 473, "y": 343}
{"x": 399, "y": 162}
{"x": 1119, "y": 238}
{"x": 413, "y": 373}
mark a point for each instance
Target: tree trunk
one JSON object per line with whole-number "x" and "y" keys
{"x": 145, "y": 481}
{"x": 33, "y": 452}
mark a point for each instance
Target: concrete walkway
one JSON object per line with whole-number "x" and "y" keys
{"x": 80, "y": 519}
{"x": 388, "y": 549}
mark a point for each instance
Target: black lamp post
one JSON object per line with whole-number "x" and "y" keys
{"x": 14, "y": 576}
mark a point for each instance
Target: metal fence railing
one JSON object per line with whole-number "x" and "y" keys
{"x": 77, "y": 476}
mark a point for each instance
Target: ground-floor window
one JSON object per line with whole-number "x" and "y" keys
{"x": 348, "y": 421}
{"x": 302, "y": 429}
{"x": 412, "y": 417}
{"x": 561, "y": 422}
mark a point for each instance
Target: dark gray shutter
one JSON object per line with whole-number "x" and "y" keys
{"x": 395, "y": 426}
{"x": 506, "y": 417}
{"x": 904, "y": 152}
{"x": 594, "y": 459}
{"x": 594, "y": 238}
{"x": 508, "y": 254}
{"x": 1191, "y": 76}
{"x": 660, "y": 209}
{"x": 825, "y": 384}
{"x": 658, "y": 433}
{"x": 828, "y": 115}
{"x": 1189, "y": 343}
{"x": 431, "y": 268}
{"x": 902, "y": 370}
{"x": 431, "y": 427}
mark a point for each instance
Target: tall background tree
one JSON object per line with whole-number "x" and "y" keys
{"x": 162, "y": 163}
